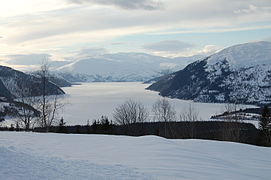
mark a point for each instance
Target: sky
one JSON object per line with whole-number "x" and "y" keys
{"x": 61, "y": 30}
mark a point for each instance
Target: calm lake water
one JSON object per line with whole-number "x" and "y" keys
{"x": 90, "y": 101}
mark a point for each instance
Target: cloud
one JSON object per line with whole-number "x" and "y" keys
{"x": 186, "y": 50}
{"x": 124, "y": 4}
{"x": 209, "y": 49}
{"x": 252, "y": 9}
{"x": 118, "y": 43}
{"x": 168, "y": 46}
{"x": 90, "y": 52}
{"x": 83, "y": 19}
{"x": 27, "y": 59}
{"x": 31, "y": 62}
{"x": 93, "y": 20}
{"x": 214, "y": 30}
{"x": 168, "y": 65}
{"x": 80, "y": 23}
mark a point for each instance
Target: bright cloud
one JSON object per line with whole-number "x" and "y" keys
{"x": 62, "y": 27}
{"x": 27, "y": 59}
{"x": 209, "y": 49}
{"x": 134, "y": 4}
{"x": 169, "y": 46}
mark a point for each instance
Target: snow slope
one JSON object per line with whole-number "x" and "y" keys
{"x": 12, "y": 82}
{"x": 240, "y": 73}
{"x": 244, "y": 55}
{"x": 65, "y": 156}
{"x": 124, "y": 66}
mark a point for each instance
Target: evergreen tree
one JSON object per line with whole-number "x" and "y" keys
{"x": 61, "y": 122}
{"x": 88, "y": 127}
{"x": 61, "y": 126}
{"x": 264, "y": 126}
{"x": 17, "y": 126}
{"x": 78, "y": 129}
{"x": 11, "y": 127}
{"x": 94, "y": 126}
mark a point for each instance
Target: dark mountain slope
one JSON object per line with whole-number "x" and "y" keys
{"x": 240, "y": 73}
{"x": 14, "y": 84}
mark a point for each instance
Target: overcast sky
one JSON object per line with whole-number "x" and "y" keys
{"x": 62, "y": 29}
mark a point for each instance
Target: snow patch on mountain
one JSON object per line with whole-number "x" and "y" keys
{"x": 124, "y": 67}
{"x": 240, "y": 73}
{"x": 14, "y": 84}
{"x": 244, "y": 55}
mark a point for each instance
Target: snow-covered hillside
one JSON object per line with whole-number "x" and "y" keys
{"x": 124, "y": 67}
{"x": 241, "y": 73}
{"x": 29, "y": 156}
{"x": 13, "y": 109}
{"x": 244, "y": 55}
{"x": 14, "y": 84}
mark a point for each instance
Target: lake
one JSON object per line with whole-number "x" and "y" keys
{"x": 90, "y": 101}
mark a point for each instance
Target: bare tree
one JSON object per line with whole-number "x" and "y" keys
{"x": 48, "y": 105}
{"x": 190, "y": 116}
{"x": 231, "y": 130}
{"x": 130, "y": 112}
{"x": 231, "y": 109}
{"x": 25, "y": 112}
{"x": 164, "y": 112}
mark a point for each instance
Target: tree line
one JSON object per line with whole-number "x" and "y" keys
{"x": 37, "y": 111}
{"x": 132, "y": 117}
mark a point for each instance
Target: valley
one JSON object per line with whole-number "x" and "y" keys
{"x": 135, "y": 90}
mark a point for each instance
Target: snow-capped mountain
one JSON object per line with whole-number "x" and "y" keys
{"x": 14, "y": 84}
{"x": 122, "y": 67}
{"x": 241, "y": 73}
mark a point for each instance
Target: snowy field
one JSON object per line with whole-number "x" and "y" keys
{"x": 31, "y": 156}
{"x": 92, "y": 100}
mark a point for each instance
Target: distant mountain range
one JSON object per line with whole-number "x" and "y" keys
{"x": 122, "y": 67}
{"x": 241, "y": 73}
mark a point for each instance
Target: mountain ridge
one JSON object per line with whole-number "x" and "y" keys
{"x": 14, "y": 83}
{"x": 122, "y": 67}
{"x": 221, "y": 78}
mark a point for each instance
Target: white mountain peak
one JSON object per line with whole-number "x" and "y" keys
{"x": 244, "y": 55}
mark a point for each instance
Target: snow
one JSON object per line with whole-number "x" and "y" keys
{"x": 28, "y": 156}
{"x": 32, "y": 167}
{"x": 90, "y": 101}
{"x": 244, "y": 55}
{"x": 125, "y": 66}
{"x": 249, "y": 65}
{"x": 3, "y": 105}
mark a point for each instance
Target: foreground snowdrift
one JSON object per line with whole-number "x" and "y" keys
{"x": 59, "y": 156}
